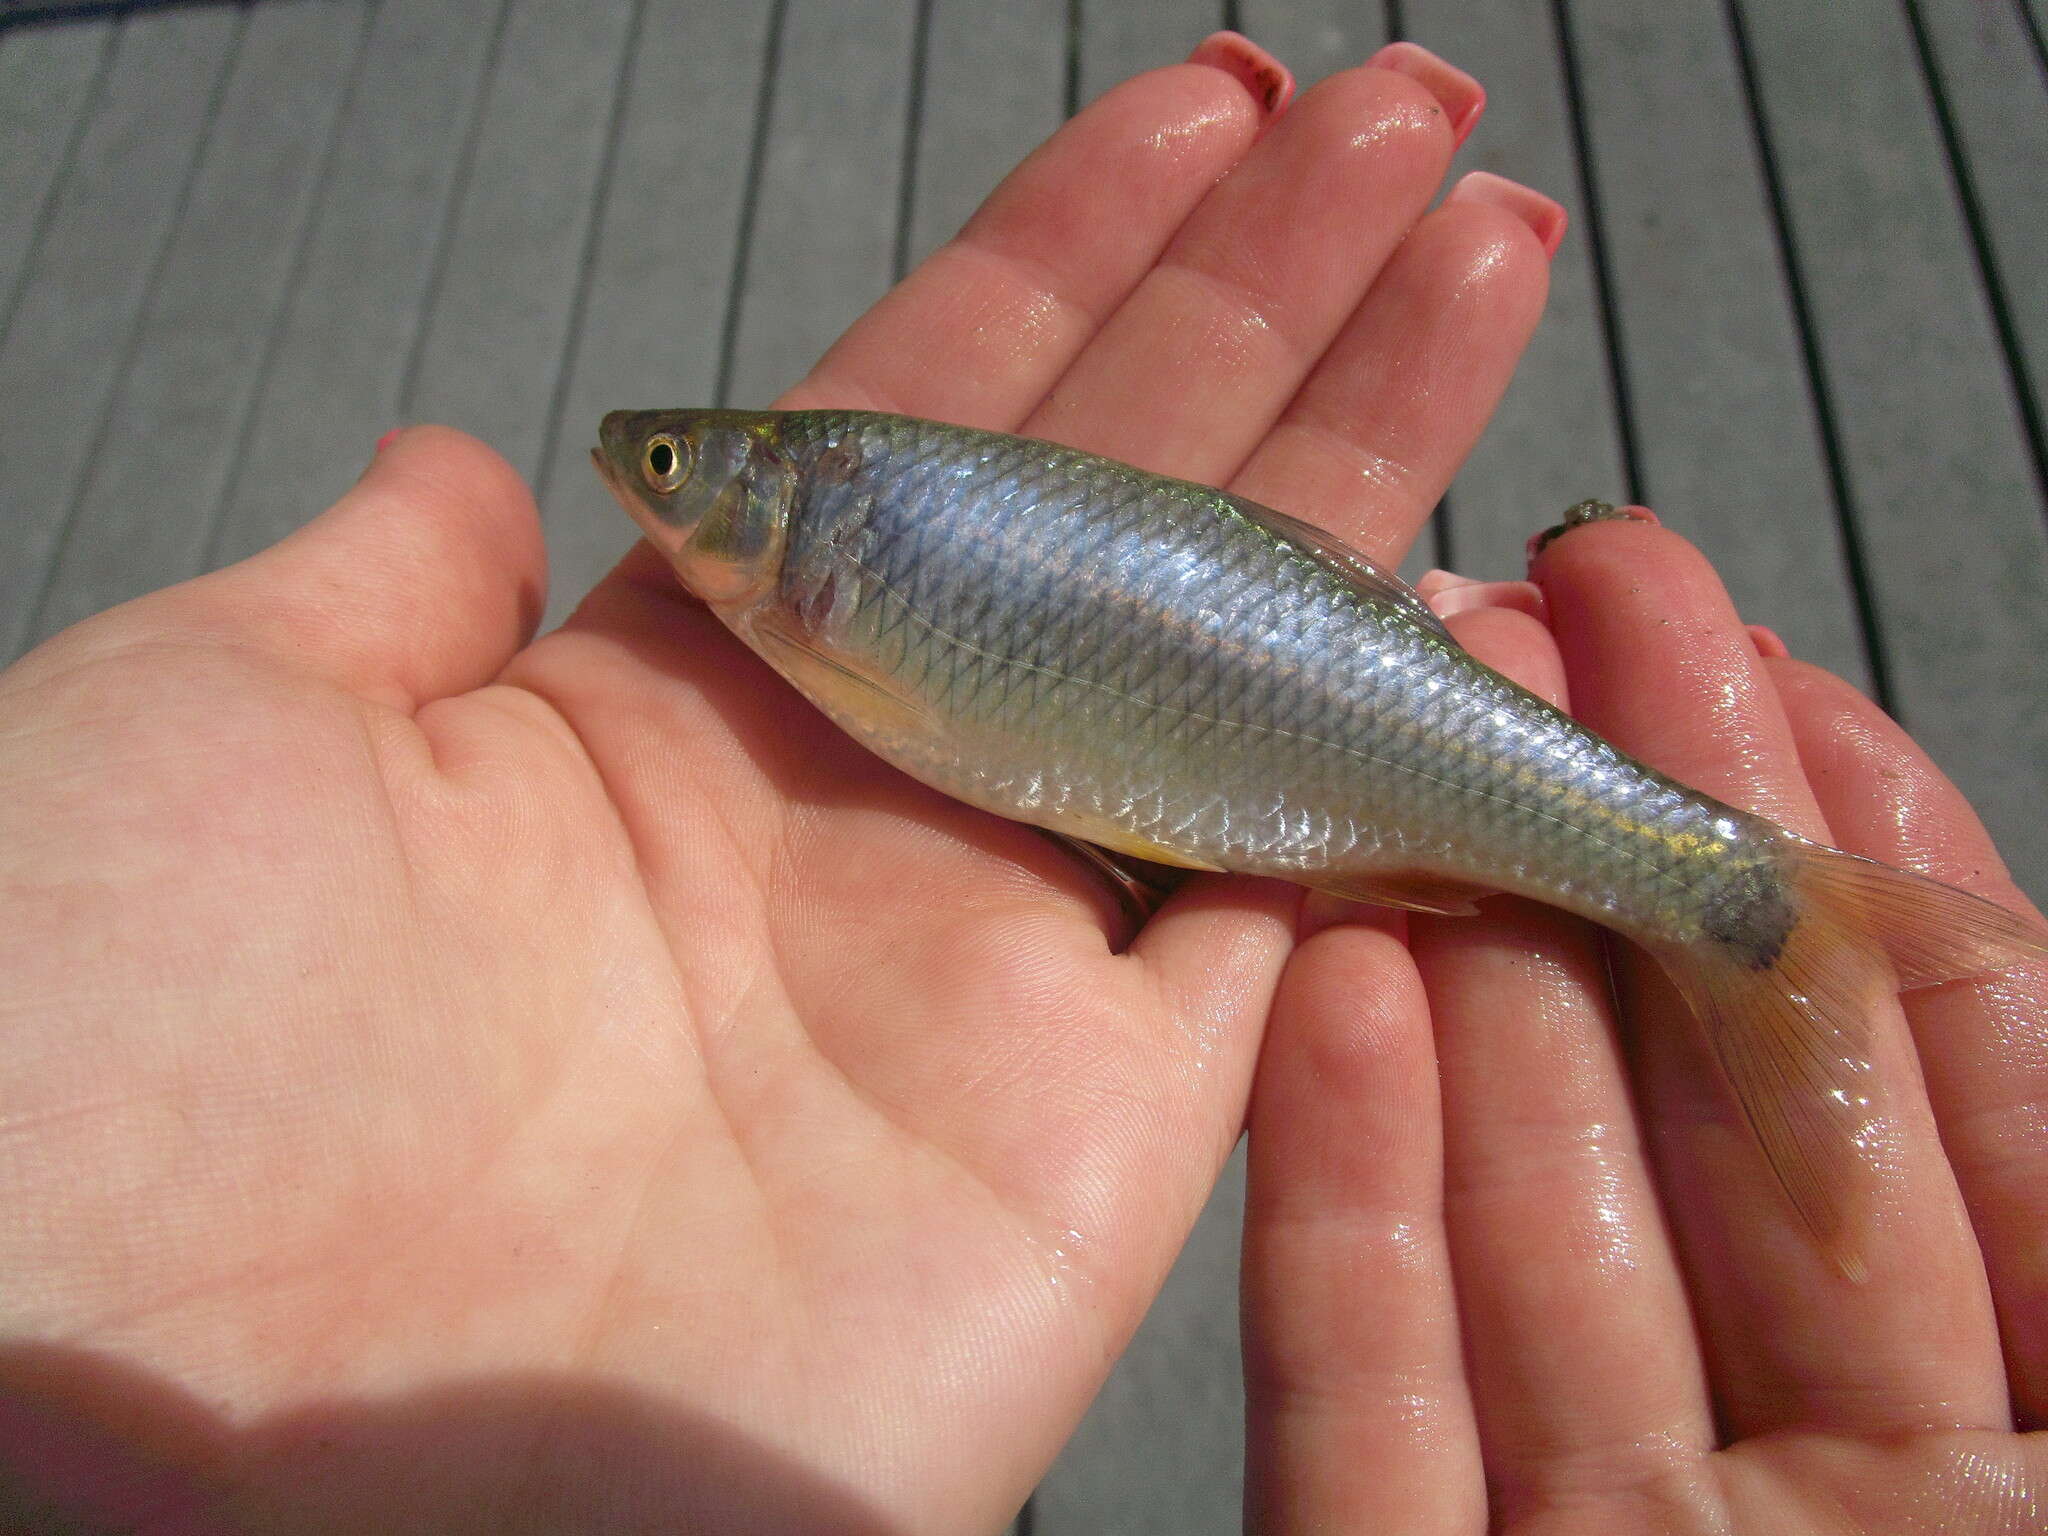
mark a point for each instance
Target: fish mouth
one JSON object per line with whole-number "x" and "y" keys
{"x": 628, "y": 496}
{"x": 604, "y": 471}
{"x": 622, "y": 493}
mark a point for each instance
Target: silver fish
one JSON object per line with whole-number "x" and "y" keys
{"x": 1172, "y": 672}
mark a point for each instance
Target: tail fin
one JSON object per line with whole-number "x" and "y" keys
{"x": 1792, "y": 1035}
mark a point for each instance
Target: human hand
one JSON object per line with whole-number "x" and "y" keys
{"x": 1576, "y": 1300}
{"x": 460, "y": 1083}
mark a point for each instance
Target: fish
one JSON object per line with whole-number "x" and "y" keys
{"x": 1176, "y": 674}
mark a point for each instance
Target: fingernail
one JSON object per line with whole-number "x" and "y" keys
{"x": 1582, "y": 514}
{"x": 1462, "y": 595}
{"x": 388, "y": 438}
{"x": 1269, "y": 81}
{"x": 1437, "y": 580}
{"x": 1768, "y": 644}
{"x": 1543, "y": 215}
{"x": 1462, "y": 98}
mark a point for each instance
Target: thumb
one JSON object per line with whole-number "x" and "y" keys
{"x": 422, "y": 581}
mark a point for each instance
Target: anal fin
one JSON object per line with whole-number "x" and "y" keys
{"x": 1413, "y": 893}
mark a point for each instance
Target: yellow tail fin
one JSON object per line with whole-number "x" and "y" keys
{"x": 1791, "y": 1031}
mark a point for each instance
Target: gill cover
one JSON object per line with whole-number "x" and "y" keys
{"x": 709, "y": 489}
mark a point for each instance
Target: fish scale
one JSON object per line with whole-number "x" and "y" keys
{"x": 1167, "y": 670}
{"x": 1021, "y": 593}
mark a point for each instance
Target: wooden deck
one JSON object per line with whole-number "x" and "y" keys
{"x": 1802, "y": 312}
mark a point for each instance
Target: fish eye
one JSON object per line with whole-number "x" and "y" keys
{"x": 665, "y": 462}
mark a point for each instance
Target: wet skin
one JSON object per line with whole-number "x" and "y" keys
{"x": 447, "y": 1062}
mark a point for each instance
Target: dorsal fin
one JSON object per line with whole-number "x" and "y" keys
{"x": 1358, "y": 568}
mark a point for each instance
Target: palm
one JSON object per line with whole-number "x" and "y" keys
{"x": 634, "y": 1064}
{"x": 473, "y": 1084}
{"x": 1831, "y": 1484}
{"x": 531, "y": 1022}
{"x": 1592, "y": 1307}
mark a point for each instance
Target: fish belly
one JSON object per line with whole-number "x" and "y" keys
{"x": 1122, "y": 658}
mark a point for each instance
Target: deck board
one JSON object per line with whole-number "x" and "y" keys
{"x": 1729, "y": 447}
{"x": 1162, "y": 1449}
{"x": 192, "y": 373}
{"x": 823, "y": 244}
{"x": 1555, "y": 439}
{"x": 1316, "y": 38}
{"x": 496, "y": 329}
{"x": 1118, "y": 39}
{"x": 86, "y": 281}
{"x": 994, "y": 88}
{"x": 338, "y": 361}
{"x": 660, "y": 273}
{"x": 1945, "y": 500}
{"x": 49, "y": 78}
{"x": 1809, "y": 323}
{"x": 1994, "y": 84}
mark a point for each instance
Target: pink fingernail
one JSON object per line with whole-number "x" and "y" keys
{"x": 1767, "y": 642}
{"x": 1437, "y": 580}
{"x": 1543, "y": 215}
{"x": 388, "y": 438}
{"x": 1462, "y": 98}
{"x": 1521, "y": 596}
{"x": 1270, "y": 82}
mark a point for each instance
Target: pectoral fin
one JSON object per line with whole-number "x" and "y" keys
{"x": 1141, "y": 887}
{"x": 1415, "y": 893}
{"x": 843, "y": 690}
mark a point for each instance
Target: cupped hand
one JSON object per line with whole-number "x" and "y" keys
{"x": 1574, "y": 1299}
{"x": 462, "y": 1083}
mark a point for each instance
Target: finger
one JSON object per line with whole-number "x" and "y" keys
{"x": 1270, "y": 83}
{"x": 985, "y": 324}
{"x": 1768, "y": 642}
{"x": 1580, "y": 1348}
{"x": 1449, "y": 593}
{"x": 1254, "y": 286}
{"x": 1509, "y": 635}
{"x": 1357, "y": 1415}
{"x": 1584, "y": 1366}
{"x": 1983, "y": 1044}
{"x": 421, "y": 582}
{"x": 982, "y": 328}
{"x": 1368, "y": 444}
{"x": 1510, "y": 640}
{"x": 1661, "y": 665}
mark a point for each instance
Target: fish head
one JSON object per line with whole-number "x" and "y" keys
{"x": 711, "y": 491}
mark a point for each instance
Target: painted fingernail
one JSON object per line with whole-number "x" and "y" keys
{"x": 1768, "y": 644}
{"x": 1462, "y": 98}
{"x": 1436, "y": 579}
{"x": 1447, "y": 593}
{"x": 1582, "y": 514}
{"x": 1270, "y": 82}
{"x": 1542, "y": 214}
{"x": 1464, "y": 596}
{"x": 388, "y": 438}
